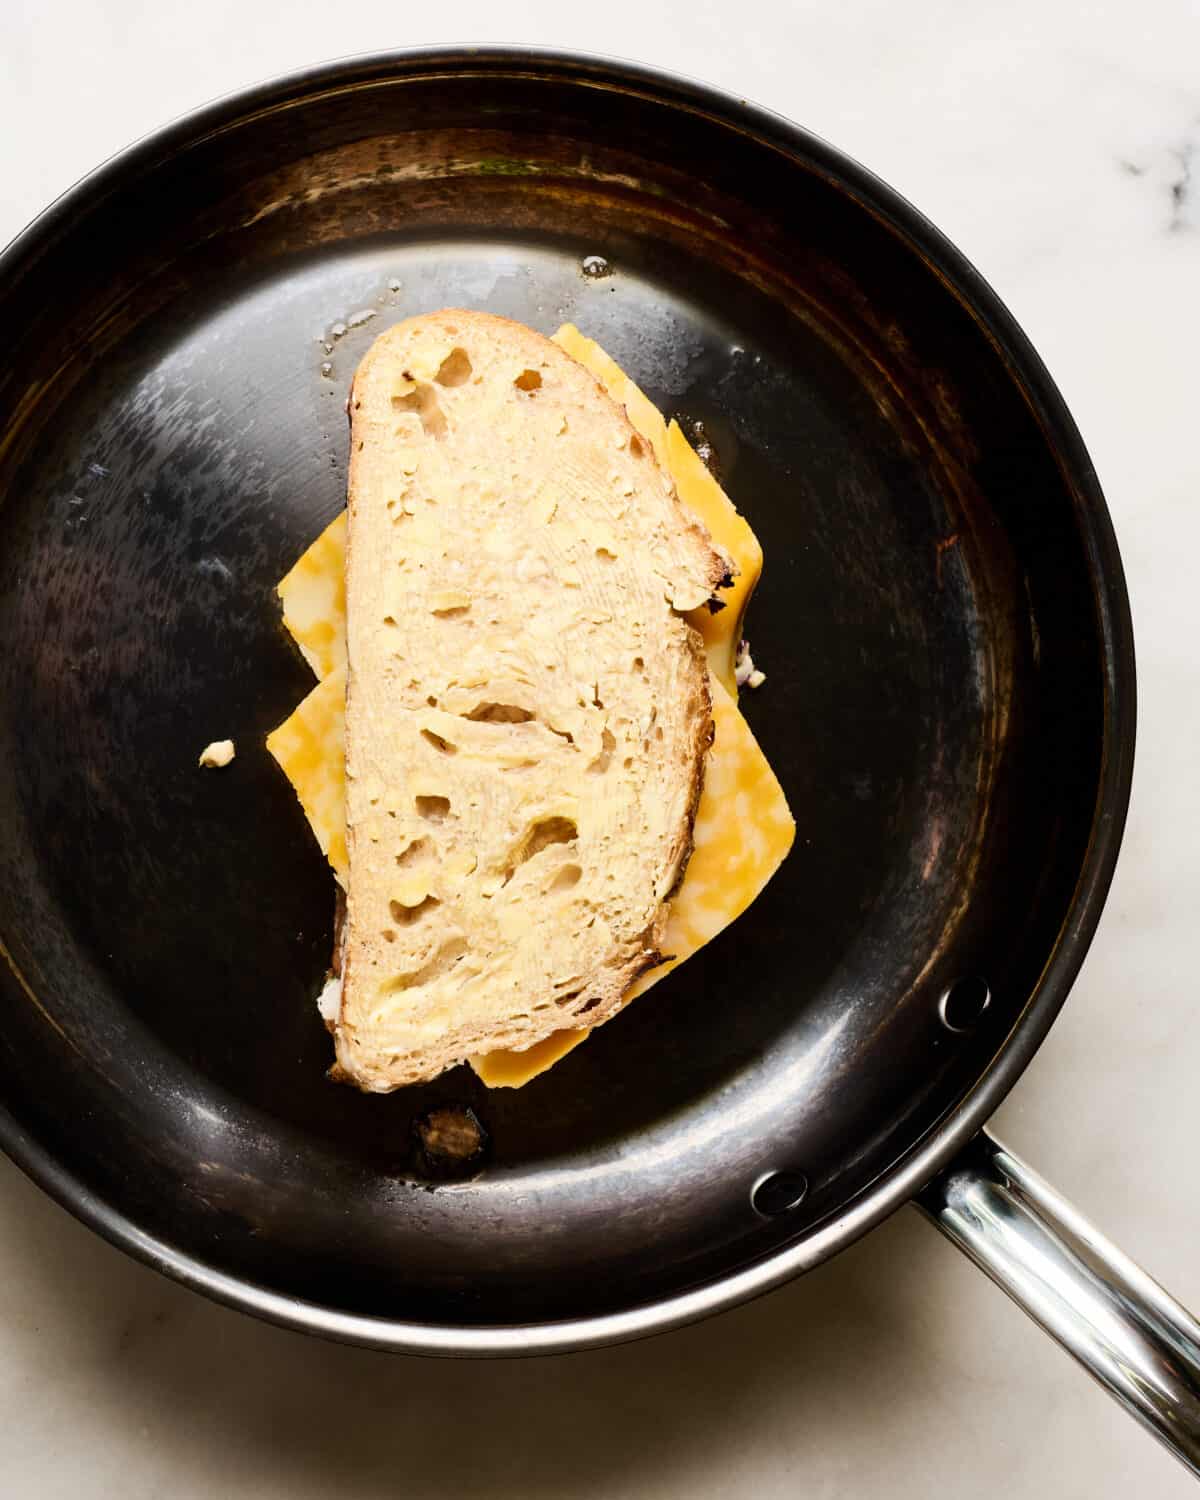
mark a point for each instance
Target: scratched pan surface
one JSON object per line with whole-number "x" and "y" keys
{"x": 949, "y": 702}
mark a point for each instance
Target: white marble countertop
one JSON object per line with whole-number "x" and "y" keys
{"x": 1060, "y": 147}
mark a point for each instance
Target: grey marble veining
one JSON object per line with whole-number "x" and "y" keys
{"x": 1061, "y": 150}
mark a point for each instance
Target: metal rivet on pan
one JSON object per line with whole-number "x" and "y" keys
{"x": 964, "y": 1003}
{"x": 778, "y": 1192}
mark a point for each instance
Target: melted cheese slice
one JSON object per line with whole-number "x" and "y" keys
{"x": 310, "y": 747}
{"x": 743, "y": 827}
{"x": 314, "y": 600}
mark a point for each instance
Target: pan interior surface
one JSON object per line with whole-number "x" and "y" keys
{"x": 181, "y": 342}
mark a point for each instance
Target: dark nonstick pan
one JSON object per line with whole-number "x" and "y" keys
{"x": 949, "y": 705}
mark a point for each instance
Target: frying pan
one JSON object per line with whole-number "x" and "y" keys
{"x": 949, "y": 705}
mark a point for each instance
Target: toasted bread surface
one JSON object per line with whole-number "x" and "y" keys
{"x": 527, "y": 711}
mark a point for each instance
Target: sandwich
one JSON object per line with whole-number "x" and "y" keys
{"x": 523, "y": 758}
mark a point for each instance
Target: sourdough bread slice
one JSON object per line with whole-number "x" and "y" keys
{"x": 527, "y": 712}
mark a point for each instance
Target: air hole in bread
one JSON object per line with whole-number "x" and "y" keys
{"x": 547, "y": 831}
{"x": 455, "y": 369}
{"x": 442, "y": 961}
{"x": 528, "y": 380}
{"x": 566, "y": 999}
{"x": 609, "y": 744}
{"x": 449, "y": 604}
{"x": 605, "y": 554}
{"x": 408, "y": 916}
{"x": 639, "y": 664}
{"x": 423, "y": 400}
{"x": 636, "y": 446}
{"x": 588, "y": 1005}
{"x": 499, "y": 713}
{"x": 433, "y": 809}
{"x": 438, "y": 743}
{"x": 417, "y": 851}
{"x": 568, "y": 876}
{"x": 540, "y": 835}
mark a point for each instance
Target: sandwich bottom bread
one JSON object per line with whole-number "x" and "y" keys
{"x": 740, "y": 827}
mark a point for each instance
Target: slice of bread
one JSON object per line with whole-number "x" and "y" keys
{"x": 527, "y": 712}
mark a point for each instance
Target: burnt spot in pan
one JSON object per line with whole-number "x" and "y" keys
{"x": 450, "y": 1143}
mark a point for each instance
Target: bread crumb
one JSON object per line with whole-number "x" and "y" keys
{"x": 745, "y": 673}
{"x": 219, "y": 753}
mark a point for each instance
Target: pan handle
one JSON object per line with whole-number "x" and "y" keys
{"x": 1126, "y": 1332}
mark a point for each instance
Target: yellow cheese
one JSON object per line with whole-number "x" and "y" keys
{"x": 314, "y": 600}
{"x": 743, "y": 828}
{"x": 310, "y": 747}
{"x": 698, "y": 490}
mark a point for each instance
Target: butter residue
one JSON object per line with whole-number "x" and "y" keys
{"x": 329, "y": 1001}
